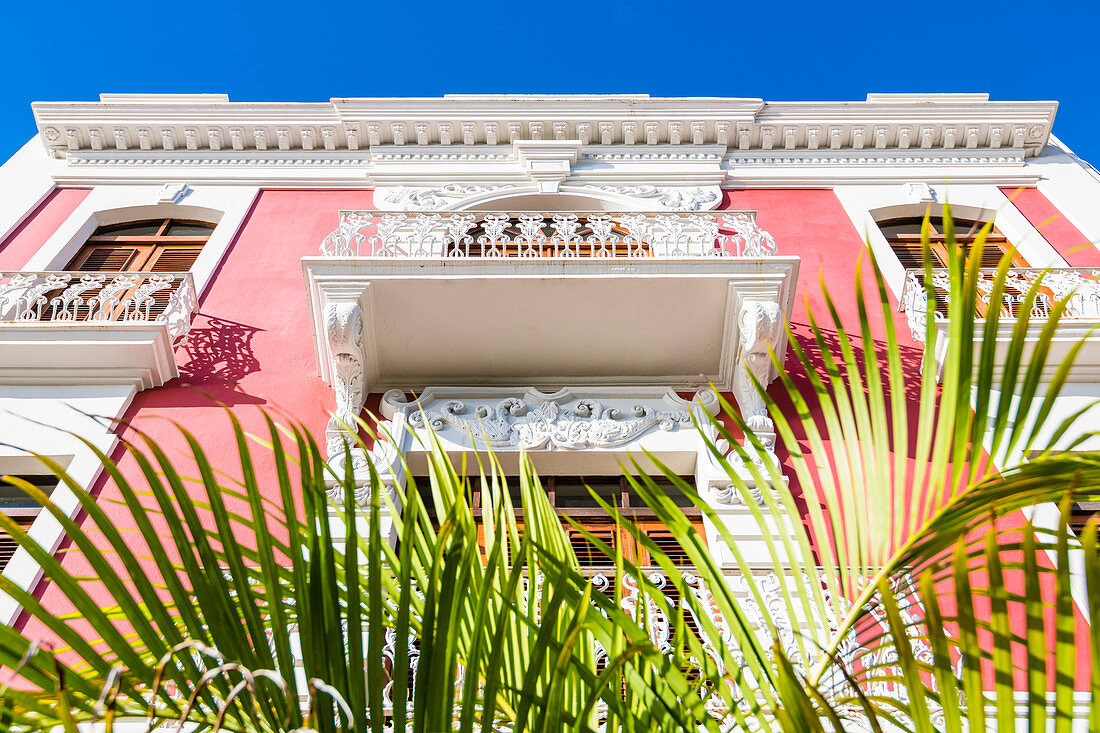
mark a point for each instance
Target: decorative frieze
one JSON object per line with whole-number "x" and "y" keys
{"x": 746, "y": 124}
{"x": 672, "y": 198}
{"x": 531, "y": 420}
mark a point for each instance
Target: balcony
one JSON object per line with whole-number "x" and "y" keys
{"x": 594, "y": 234}
{"x": 1082, "y": 314}
{"x": 74, "y": 328}
{"x": 543, "y": 299}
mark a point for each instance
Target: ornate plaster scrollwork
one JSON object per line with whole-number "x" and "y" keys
{"x": 413, "y": 198}
{"x": 761, "y": 324}
{"x": 729, "y": 494}
{"x": 344, "y": 329}
{"x": 672, "y": 198}
{"x": 515, "y": 422}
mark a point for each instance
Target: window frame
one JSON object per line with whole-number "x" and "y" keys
{"x": 596, "y": 520}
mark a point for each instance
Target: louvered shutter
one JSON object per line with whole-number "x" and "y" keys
{"x": 1081, "y": 512}
{"x": 107, "y": 258}
{"x": 169, "y": 259}
{"x": 96, "y": 258}
{"x": 910, "y": 254}
{"x": 588, "y": 555}
{"x": 666, "y": 541}
{"x": 173, "y": 259}
{"x": 7, "y": 543}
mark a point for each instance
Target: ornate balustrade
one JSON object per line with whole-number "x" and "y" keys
{"x": 764, "y": 608}
{"x": 99, "y": 298}
{"x": 416, "y": 234}
{"x": 1080, "y": 285}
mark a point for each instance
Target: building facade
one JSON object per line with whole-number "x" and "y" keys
{"x": 569, "y": 276}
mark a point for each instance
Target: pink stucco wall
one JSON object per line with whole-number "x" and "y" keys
{"x": 30, "y": 235}
{"x": 1074, "y": 247}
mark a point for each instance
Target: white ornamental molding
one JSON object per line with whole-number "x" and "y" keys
{"x": 455, "y": 196}
{"x": 531, "y": 420}
{"x": 547, "y": 163}
{"x": 515, "y": 423}
{"x": 344, "y": 334}
{"x": 430, "y": 198}
{"x": 761, "y": 325}
{"x": 212, "y": 122}
{"x": 672, "y": 198}
{"x": 344, "y": 330}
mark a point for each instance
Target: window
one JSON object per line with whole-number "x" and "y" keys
{"x": 161, "y": 245}
{"x": 1080, "y": 513}
{"x": 904, "y": 237}
{"x": 155, "y": 246}
{"x": 16, "y": 504}
{"x": 569, "y": 495}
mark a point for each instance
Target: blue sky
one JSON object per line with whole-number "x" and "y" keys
{"x": 312, "y": 51}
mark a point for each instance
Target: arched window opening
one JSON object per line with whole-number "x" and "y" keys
{"x": 161, "y": 246}
{"x": 904, "y": 237}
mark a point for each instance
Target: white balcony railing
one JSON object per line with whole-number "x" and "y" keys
{"x": 534, "y": 234}
{"x": 1079, "y": 284}
{"x": 99, "y": 298}
{"x": 764, "y": 608}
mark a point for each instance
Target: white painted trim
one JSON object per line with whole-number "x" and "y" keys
{"x": 178, "y": 122}
{"x": 865, "y": 205}
{"x": 52, "y": 411}
{"x": 25, "y": 182}
{"x": 227, "y": 206}
{"x": 1072, "y": 185}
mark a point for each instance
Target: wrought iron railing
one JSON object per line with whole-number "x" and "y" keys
{"x": 99, "y": 298}
{"x": 416, "y": 234}
{"x": 1080, "y": 286}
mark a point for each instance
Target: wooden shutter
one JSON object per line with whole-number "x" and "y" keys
{"x": 123, "y": 252}
{"x": 169, "y": 259}
{"x": 172, "y": 259}
{"x": 8, "y": 545}
{"x": 666, "y": 541}
{"x": 107, "y": 258}
{"x": 1080, "y": 513}
{"x": 97, "y": 258}
{"x": 588, "y": 555}
{"x": 910, "y": 254}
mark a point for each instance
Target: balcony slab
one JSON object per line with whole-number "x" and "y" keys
{"x": 547, "y": 322}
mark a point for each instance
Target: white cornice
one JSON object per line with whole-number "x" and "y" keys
{"x": 472, "y": 141}
{"x": 181, "y": 122}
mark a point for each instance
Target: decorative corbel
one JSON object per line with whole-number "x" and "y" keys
{"x": 761, "y": 325}
{"x": 344, "y": 329}
{"x": 547, "y": 162}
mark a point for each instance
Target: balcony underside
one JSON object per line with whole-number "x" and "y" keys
{"x": 546, "y": 322}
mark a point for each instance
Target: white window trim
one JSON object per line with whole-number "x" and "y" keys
{"x": 108, "y": 401}
{"x": 225, "y": 206}
{"x": 866, "y": 205}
